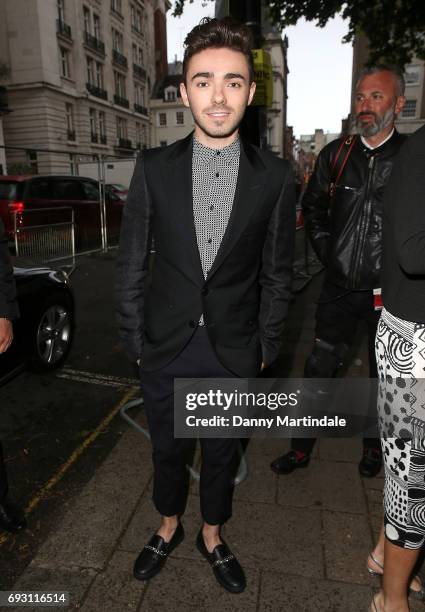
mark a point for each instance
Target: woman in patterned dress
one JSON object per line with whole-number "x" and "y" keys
{"x": 400, "y": 352}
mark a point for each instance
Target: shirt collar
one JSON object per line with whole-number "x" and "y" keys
{"x": 366, "y": 144}
{"x": 227, "y": 154}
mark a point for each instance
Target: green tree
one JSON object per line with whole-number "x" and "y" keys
{"x": 395, "y": 28}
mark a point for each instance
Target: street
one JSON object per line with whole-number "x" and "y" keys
{"x": 84, "y": 477}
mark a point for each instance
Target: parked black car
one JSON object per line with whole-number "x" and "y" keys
{"x": 44, "y": 332}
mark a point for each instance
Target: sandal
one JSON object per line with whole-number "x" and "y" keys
{"x": 419, "y": 595}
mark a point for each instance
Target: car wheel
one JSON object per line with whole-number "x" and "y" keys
{"x": 54, "y": 332}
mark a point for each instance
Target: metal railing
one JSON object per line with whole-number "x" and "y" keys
{"x": 142, "y": 110}
{"x": 139, "y": 71}
{"x": 63, "y": 29}
{"x": 94, "y": 43}
{"x": 121, "y": 101}
{"x": 97, "y": 91}
{"x": 45, "y": 242}
{"x": 119, "y": 58}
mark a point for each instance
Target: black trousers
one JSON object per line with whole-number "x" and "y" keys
{"x": 3, "y": 477}
{"x": 337, "y": 318}
{"x": 171, "y": 477}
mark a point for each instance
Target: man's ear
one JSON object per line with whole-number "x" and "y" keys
{"x": 252, "y": 89}
{"x": 399, "y": 105}
{"x": 183, "y": 94}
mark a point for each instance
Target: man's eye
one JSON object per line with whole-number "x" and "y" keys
{"x": 359, "y": 98}
{"x": 202, "y": 84}
{"x": 235, "y": 85}
{"x": 377, "y": 96}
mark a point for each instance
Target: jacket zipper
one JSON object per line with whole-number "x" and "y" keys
{"x": 363, "y": 224}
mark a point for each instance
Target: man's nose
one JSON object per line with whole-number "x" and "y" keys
{"x": 219, "y": 96}
{"x": 366, "y": 104}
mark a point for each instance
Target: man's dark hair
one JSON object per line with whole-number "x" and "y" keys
{"x": 396, "y": 71}
{"x": 218, "y": 33}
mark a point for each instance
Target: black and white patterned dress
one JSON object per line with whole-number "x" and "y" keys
{"x": 400, "y": 356}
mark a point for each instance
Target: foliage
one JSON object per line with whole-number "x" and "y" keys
{"x": 395, "y": 28}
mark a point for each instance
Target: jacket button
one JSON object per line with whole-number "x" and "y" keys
{"x": 192, "y": 324}
{"x": 205, "y": 291}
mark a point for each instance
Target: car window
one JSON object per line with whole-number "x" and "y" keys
{"x": 91, "y": 190}
{"x": 67, "y": 190}
{"x": 39, "y": 188}
{"x": 8, "y": 190}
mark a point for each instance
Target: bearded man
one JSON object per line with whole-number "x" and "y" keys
{"x": 342, "y": 207}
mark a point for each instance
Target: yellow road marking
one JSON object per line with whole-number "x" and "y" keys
{"x": 33, "y": 503}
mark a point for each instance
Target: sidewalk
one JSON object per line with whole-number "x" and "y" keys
{"x": 303, "y": 539}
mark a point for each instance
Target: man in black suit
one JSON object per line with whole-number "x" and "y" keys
{"x": 213, "y": 301}
{"x": 10, "y": 517}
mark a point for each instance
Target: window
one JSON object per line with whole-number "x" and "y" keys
{"x": 162, "y": 118}
{"x": 39, "y": 188}
{"x": 102, "y": 124}
{"x": 163, "y": 143}
{"x": 87, "y": 20}
{"x": 170, "y": 94}
{"x": 93, "y": 124}
{"x": 90, "y": 68}
{"x": 121, "y": 128}
{"x": 119, "y": 84}
{"x": 116, "y": 6}
{"x": 99, "y": 75}
{"x": 91, "y": 190}
{"x": 136, "y": 18}
{"x": 409, "y": 109}
{"x": 180, "y": 118}
{"x": 64, "y": 62}
{"x": 67, "y": 190}
{"x": 61, "y": 10}
{"x": 412, "y": 75}
{"x": 117, "y": 40}
{"x": 69, "y": 114}
{"x": 139, "y": 94}
{"x": 96, "y": 26}
{"x": 138, "y": 134}
{"x": 135, "y": 53}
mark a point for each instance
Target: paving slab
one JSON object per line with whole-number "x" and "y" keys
{"x": 115, "y": 589}
{"x": 189, "y": 586}
{"x": 89, "y": 530}
{"x": 347, "y": 541}
{"x": 37, "y": 578}
{"x": 325, "y": 484}
{"x": 287, "y": 539}
{"x": 282, "y": 593}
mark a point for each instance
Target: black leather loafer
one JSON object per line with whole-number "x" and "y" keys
{"x": 371, "y": 462}
{"x": 289, "y": 462}
{"x": 11, "y": 518}
{"x": 225, "y": 566}
{"x": 154, "y": 555}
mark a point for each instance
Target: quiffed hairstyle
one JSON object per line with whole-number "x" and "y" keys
{"x": 395, "y": 70}
{"x": 218, "y": 33}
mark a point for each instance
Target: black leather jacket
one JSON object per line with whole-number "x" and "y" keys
{"x": 345, "y": 228}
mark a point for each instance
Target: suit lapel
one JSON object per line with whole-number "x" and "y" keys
{"x": 177, "y": 176}
{"x": 249, "y": 195}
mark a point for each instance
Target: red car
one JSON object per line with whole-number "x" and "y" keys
{"x": 21, "y": 194}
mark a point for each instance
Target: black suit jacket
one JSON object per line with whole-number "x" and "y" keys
{"x": 246, "y": 294}
{"x": 8, "y": 304}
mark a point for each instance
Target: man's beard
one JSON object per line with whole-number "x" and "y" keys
{"x": 218, "y": 131}
{"x": 379, "y": 124}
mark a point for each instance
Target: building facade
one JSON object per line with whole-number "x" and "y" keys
{"x": 413, "y": 115}
{"x": 80, "y": 74}
{"x": 171, "y": 119}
